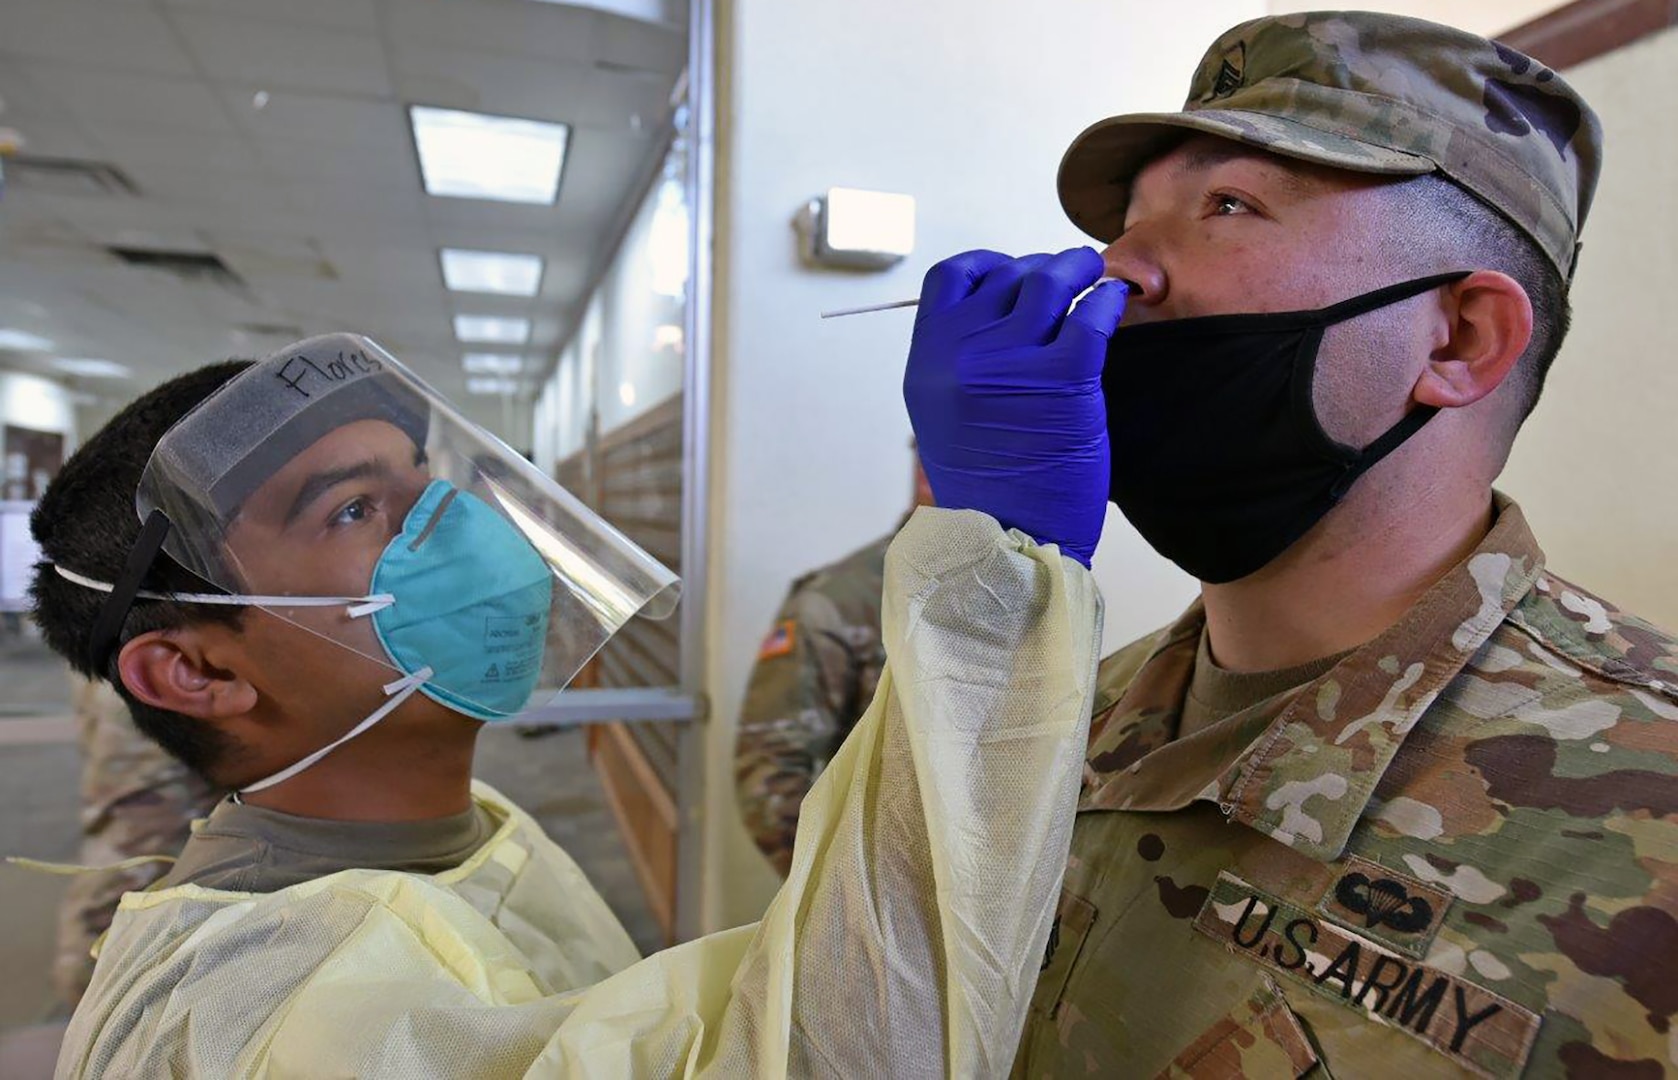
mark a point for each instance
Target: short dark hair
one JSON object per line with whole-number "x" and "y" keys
{"x": 86, "y": 523}
{"x": 1461, "y": 227}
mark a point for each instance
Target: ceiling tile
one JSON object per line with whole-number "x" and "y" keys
{"x": 600, "y": 175}
{"x": 285, "y": 246}
{"x": 106, "y": 221}
{"x": 395, "y": 267}
{"x": 332, "y": 201}
{"x": 130, "y": 37}
{"x": 620, "y": 102}
{"x": 337, "y": 14}
{"x": 368, "y": 126}
{"x": 487, "y": 82}
{"x": 122, "y": 145}
{"x": 23, "y": 99}
{"x": 182, "y": 184}
{"x": 314, "y": 198}
{"x": 351, "y": 227}
{"x": 486, "y": 219}
{"x": 362, "y": 163}
{"x": 270, "y": 55}
{"x": 132, "y": 100}
{"x": 173, "y": 239}
{"x": 484, "y": 304}
{"x": 552, "y": 31}
{"x": 564, "y": 281}
{"x": 32, "y": 236}
{"x": 629, "y": 43}
{"x": 559, "y": 238}
{"x": 56, "y": 140}
{"x": 262, "y": 258}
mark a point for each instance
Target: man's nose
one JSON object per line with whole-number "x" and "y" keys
{"x": 1129, "y": 260}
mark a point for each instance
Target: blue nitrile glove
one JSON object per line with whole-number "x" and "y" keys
{"x": 1004, "y": 391}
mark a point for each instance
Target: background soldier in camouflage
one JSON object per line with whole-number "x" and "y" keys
{"x": 136, "y": 800}
{"x": 1403, "y": 802}
{"x": 815, "y": 674}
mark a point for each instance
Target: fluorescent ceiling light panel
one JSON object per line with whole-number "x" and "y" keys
{"x": 491, "y": 364}
{"x": 491, "y": 384}
{"x": 476, "y": 156}
{"x": 17, "y": 339}
{"x": 491, "y": 329}
{"x": 92, "y": 369}
{"x": 502, "y": 272}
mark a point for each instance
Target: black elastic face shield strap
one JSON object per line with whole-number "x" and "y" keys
{"x": 107, "y": 628}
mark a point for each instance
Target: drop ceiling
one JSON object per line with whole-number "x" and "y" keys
{"x": 273, "y": 137}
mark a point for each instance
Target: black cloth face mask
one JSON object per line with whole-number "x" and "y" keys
{"x": 1218, "y": 457}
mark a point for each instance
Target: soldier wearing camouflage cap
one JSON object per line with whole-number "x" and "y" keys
{"x": 1392, "y": 798}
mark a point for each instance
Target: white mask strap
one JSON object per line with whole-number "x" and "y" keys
{"x": 398, "y": 692}
{"x": 360, "y": 605}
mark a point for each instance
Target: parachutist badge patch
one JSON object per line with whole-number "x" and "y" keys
{"x": 1394, "y": 909}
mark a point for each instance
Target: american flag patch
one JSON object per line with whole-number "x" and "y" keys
{"x": 779, "y": 641}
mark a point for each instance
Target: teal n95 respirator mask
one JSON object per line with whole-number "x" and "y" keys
{"x": 330, "y": 487}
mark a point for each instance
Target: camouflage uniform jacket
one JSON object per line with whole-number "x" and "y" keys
{"x": 136, "y": 801}
{"x": 815, "y": 674}
{"x": 1454, "y": 853}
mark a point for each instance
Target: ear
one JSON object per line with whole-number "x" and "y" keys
{"x": 169, "y": 669}
{"x": 1487, "y": 323}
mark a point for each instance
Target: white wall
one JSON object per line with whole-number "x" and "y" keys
{"x": 627, "y": 354}
{"x": 563, "y": 405}
{"x": 1595, "y": 466}
{"x": 561, "y": 423}
{"x": 34, "y": 402}
{"x": 1486, "y": 17}
{"x": 544, "y": 424}
{"x": 643, "y": 303}
{"x": 968, "y": 108}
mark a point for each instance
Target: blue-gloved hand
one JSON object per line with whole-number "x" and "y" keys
{"x": 1004, "y": 391}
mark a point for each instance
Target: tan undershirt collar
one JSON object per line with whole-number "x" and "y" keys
{"x": 1215, "y": 693}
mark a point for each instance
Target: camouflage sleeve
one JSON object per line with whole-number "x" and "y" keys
{"x": 136, "y": 800}
{"x": 795, "y": 716}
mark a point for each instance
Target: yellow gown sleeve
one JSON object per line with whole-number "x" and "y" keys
{"x": 907, "y": 938}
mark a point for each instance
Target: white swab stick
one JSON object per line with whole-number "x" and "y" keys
{"x": 870, "y": 307}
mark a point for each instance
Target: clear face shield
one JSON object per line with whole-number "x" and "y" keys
{"x": 332, "y": 488}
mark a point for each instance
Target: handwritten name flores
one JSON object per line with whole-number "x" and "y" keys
{"x": 303, "y": 374}
{"x": 1480, "y": 1030}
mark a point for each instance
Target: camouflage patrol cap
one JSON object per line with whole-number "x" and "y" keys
{"x": 1369, "y": 93}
